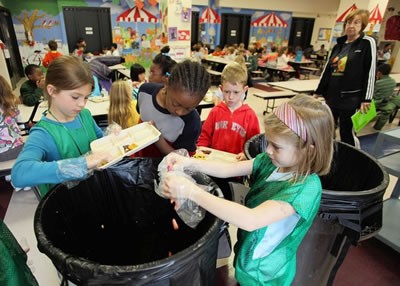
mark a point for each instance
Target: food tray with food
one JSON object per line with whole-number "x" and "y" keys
{"x": 127, "y": 142}
{"x": 205, "y": 153}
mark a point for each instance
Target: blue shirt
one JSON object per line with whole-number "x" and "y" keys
{"x": 40, "y": 161}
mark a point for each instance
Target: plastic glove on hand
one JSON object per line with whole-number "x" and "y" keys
{"x": 177, "y": 187}
{"x": 113, "y": 128}
{"x": 97, "y": 159}
{"x": 240, "y": 157}
{"x": 176, "y": 162}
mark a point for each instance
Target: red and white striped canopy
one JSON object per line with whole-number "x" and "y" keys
{"x": 269, "y": 20}
{"x": 375, "y": 16}
{"x": 136, "y": 14}
{"x": 209, "y": 16}
{"x": 345, "y": 13}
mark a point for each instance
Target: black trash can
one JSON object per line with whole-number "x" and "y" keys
{"x": 350, "y": 211}
{"x": 113, "y": 229}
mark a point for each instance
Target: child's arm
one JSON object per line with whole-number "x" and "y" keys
{"x": 163, "y": 146}
{"x": 38, "y": 163}
{"x": 243, "y": 217}
{"x": 212, "y": 168}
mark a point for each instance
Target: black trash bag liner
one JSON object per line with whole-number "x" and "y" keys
{"x": 113, "y": 229}
{"x": 255, "y": 145}
{"x": 352, "y": 191}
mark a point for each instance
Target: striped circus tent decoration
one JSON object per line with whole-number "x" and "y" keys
{"x": 136, "y": 14}
{"x": 345, "y": 13}
{"x": 269, "y": 20}
{"x": 209, "y": 16}
{"x": 375, "y": 17}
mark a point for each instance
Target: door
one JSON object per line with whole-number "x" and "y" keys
{"x": 301, "y": 32}
{"x": 195, "y": 29}
{"x": 235, "y": 29}
{"x": 90, "y": 23}
{"x": 7, "y": 35}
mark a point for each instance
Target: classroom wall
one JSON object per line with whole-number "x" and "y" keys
{"x": 324, "y": 12}
{"x": 394, "y": 6}
{"x": 37, "y": 22}
{"x": 310, "y": 7}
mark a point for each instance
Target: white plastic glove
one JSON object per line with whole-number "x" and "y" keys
{"x": 176, "y": 162}
{"x": 113, "y": 129}
{"x": 177, "y": 187}
{"x": 94, "y": 160}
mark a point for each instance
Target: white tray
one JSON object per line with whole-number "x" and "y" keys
{"x": 205, "y": 153}
{"x": 97, "y": 99}
{"x": 141, "y": 135}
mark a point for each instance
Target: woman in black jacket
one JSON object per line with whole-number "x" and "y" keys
{"x": 347, "y": 82}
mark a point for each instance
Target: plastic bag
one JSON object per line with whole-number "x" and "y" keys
{"x": 190, "y": 212}
{"x": 113, "y": 129}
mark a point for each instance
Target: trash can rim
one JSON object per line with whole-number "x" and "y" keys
{"x": 384, "y": 182}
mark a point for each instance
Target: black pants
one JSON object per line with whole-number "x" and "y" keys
{"x": 345, "y": 124}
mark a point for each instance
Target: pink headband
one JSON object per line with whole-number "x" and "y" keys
{"x": 289, "y": 117}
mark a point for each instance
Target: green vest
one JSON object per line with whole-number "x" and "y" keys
{"x": 71, "y": 143}
{"x": 278, "y": 268}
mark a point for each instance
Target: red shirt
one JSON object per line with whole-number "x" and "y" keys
{"x": 49, "y": 57}
{"x": 227, "y": 131}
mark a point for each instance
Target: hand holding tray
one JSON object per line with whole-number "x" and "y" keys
{"x": 128, "y": 142}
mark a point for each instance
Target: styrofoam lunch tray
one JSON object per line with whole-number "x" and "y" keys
{"x": 206, "y": 153}
{"x": 142, "y": 135}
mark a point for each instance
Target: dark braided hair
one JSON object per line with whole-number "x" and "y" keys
{"x": 164, "y": 61}
{"x": 190, "y": 76}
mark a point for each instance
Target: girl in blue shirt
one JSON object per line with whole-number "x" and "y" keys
{"x": 57, "y": 147}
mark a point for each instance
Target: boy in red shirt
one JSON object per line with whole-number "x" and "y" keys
{"x": 52, "y": 54}
{"x": 231, "y": 123}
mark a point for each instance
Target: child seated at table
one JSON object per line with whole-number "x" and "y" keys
{"x": 31, "y": 91}
{"x": 269, "y": 60}
{"x": 10, "y": 140}
{"x": 172, "y": 108}
{"x": 161, "y": 67}
{"x": 283, "y": 59}
{"x": 52, "y": 54}
{"x": 138, "y": 77}
{"x": 386, "y": 102}
{"x": 122, "y": 107}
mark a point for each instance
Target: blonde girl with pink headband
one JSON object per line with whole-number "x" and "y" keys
{"x": 285, "y": 192}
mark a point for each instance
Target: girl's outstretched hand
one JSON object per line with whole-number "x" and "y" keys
{"x": 177, "y": 187}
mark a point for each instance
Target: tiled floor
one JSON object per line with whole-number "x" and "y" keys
{"x": 370, "y": 263}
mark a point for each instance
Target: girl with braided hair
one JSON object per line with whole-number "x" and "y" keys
{"x": 172, "y": 108}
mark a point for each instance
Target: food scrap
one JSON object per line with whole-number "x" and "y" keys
{"x": 200, "y": 156}
{"x": 175, "y": 224}
{"x": 129, "y": 147}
